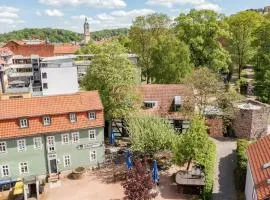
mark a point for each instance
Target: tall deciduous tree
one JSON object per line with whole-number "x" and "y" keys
{"x": 262, "y": 58}
{"x": 143, "y": 34}
{"x": 115, "y": 77}
{"x": 242, "y": 26}
{"x": 150, "y": 134}
{"x": 193, "y": 145}
{"x": 201, "y": 31}
{"x": 171, "y": 60}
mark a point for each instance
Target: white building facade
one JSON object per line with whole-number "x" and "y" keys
{"x": 250, "y": 192}
{"x": 59, "y": 76}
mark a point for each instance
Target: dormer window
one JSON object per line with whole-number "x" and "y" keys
{"x": 91, "y": 115}
{"x": 149, "y": 104}
{"x": 72, "y": 117}
{"x": 23, "y": 123}
{"x": 46, "y": 121}
{"x": 177, "y": 103}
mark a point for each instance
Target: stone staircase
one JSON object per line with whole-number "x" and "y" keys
{"x": 53, "y": 177}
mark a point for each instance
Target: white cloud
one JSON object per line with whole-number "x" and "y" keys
{"x": 90, "y": 3}
{"x": 9, "y": 15}
{"x": 197, "y": 4}
{"x": 54, "y": 13}
{"x": 114, "y": 19}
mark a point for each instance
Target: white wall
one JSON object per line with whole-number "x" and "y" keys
{"x": 250, "y": 189}
{"x": 60, "y": 80}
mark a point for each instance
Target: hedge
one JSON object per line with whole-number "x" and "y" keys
{"x": 241, "y": 165}
{"x": 210, "y": 163}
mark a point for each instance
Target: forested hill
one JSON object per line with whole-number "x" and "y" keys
{"x": 58, "y": 35}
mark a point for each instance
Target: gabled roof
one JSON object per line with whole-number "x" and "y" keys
{"x": 164, "y": 95}
{"x": 57, "y": 107}
{"x": 259, "y": 154}
{"x": 50, "y": 105}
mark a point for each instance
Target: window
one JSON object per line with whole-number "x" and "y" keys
{"x": 75, "y": 137}
{"x": 23, "y": 168}
{"x": 91, "y": 115}
{"x": 5, "y": 170}
{"x": 37, "y": 142}
{"x": 23, "y": 123}
{"x": 3, "y": 147}
{"x": 149, "y": 104}
{"x": 46, "y": 121}
{"x": 72, "y": 117}
{"x": 51, "y": 144}
{"x": 21, "y": 145}
{"x": 92, "y": 135}
{"x": 93, "y": 155}
{"x": 45, "y": 85}
{"x": 44, "y": 75}
{"x": 65, "y": 138}
{"x": 67, "y": 161}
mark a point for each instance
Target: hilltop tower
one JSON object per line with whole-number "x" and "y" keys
{"x": 86, "y": 32}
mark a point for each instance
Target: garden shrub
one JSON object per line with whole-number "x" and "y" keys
{"x": 241, "y": 164}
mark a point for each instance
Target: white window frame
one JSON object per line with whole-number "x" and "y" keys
{"x": 3, "y": 144}
{"x": 2, "y": 170}
{"x": 47, "y": 120}
{"x": 92, "y": 132}
{"x": 39, "y": 141}
{"x": 63, "y": 138}
{"x": 24, "y": 123}
{"x": 65, "y": 158}
{"x": 91, "y": 115}
{"x": 19, "y": 143}
{"x": 91, "y": 152}
{"x": 50, "y": 146}
{"x": 25, "y": 165}
{"x": 72, "y": 117}
{"x": 75, "y": 135}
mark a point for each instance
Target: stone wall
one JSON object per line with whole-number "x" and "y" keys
{"x": 215, "y": 126}
{"x": 251, "y": 123}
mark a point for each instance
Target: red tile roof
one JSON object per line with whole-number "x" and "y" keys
{"x": 65, "y": 49}
{"x": 259, "y": 154}
{"x": 4, "y": 51}
{"x": 41, "y": 49}
{"x": 58, "y": 107}
{"x": 164, "y": 94}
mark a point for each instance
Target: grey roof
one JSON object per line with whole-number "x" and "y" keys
{"x": 17, "y": 90}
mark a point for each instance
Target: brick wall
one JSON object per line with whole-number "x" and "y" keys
{"x": 215, "y": 126}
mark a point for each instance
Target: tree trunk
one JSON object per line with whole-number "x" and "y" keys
{"x": 189, "y": 163}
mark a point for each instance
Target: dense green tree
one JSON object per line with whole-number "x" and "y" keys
{"x": 192, "y": 146}
{"x": 171, "y": 60}
{"x": 201, "y": 31}
{"x": 242, "y": 26}
{"x": 262, "y": 58}
{"x": 150, "y": 134}
{"x": 115, "y": 77}
{"x": 143, "y": 34}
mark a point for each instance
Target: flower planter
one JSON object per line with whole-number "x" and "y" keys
{"x": 78, "y": 172}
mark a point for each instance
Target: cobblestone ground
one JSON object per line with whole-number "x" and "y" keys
{"x": 224, "y": 188}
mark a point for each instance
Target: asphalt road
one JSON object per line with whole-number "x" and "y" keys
{"x": 224, "y": 188}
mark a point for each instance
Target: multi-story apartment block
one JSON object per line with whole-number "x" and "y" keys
{"x": 42, "y": 136}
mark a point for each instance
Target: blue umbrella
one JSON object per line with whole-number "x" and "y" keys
{"x": 112, "y": 137}
{"x": 155, "y": 175}
{"x": 128, "y": 160}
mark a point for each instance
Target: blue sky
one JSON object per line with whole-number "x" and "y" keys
{"x": 70, "y": 14}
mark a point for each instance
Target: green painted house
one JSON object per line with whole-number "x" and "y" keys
{"x": 43, "y": 136}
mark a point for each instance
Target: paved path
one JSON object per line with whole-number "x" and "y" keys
{"x": 224, "y": 177}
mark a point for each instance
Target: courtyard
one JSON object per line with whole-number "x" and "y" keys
{"x": 99, "y": 185}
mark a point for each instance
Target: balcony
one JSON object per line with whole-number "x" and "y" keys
{"x": 20, "y": 74}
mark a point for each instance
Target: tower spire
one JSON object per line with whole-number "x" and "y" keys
{"x": 87, "y": 37}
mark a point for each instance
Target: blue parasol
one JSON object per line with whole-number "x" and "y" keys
{"x": 155, "y": 175}
{"x": 128, "y": 160}
{"x": 112, "y": 137}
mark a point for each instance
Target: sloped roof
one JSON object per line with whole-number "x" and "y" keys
{"x": 259, "y": 154}
{"x": 57, "y": 107}
{"x": 50, "y": 105}
{"x": 4, "y": 51}
{"x": 65, "y": 49}
{"x": 164, "y": 95}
